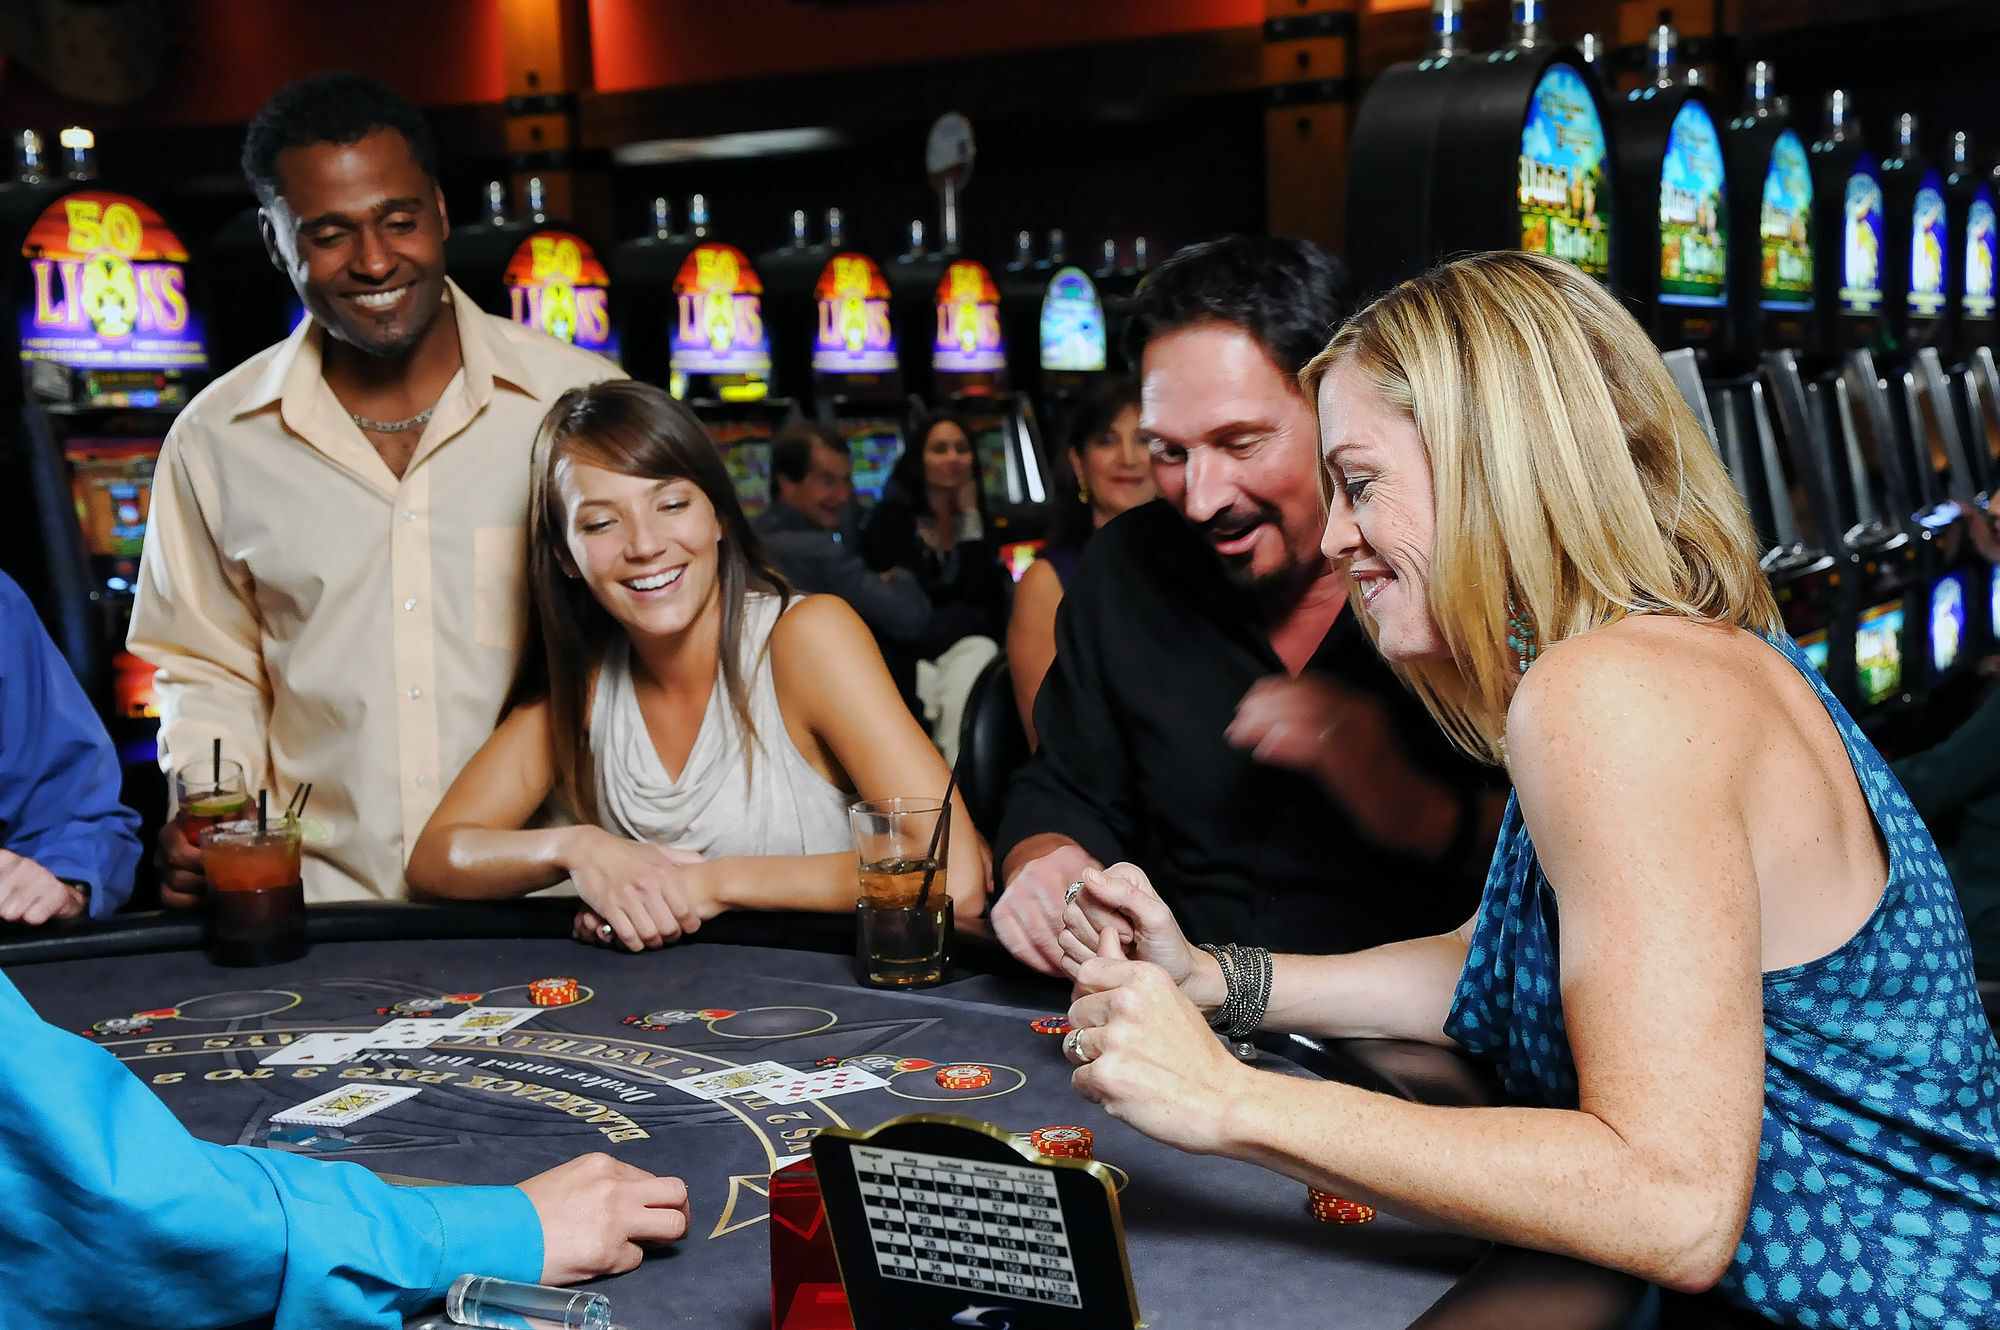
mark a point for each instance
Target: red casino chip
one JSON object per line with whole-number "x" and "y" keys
{"x": 1050, "y": 1025}
{"x": 1061, "y": 1142}
{"x": 964, "y": 1076}
{"x": 552, "y": 992}
{"x": 1331, "y": 1209}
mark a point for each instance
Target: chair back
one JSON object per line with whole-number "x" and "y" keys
{"x": 991, "y": 744}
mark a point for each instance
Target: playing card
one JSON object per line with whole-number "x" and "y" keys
{"x": 804, "y": 1085}
{"x": 490, "y": 1020}
{"x": 349, "y": 1103}
{"x": 409, "y": 1033}
{"x": 316, "y": 1050}
{"x": 715, "y": 1085}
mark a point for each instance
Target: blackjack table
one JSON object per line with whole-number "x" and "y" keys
{"x": 1211, "y": 1241}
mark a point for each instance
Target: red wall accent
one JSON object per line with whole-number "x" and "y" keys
{"x": 660, "y": 43}
{"x": 229, "y": 56}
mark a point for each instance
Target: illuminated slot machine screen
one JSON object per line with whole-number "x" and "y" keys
{"x": 1784, "y": 229}
{"x": 873, "y": 446}
{"x": 996, "y": 458}
{"x": 112, "y": 482}
{"x": 1982, "y": 245}
{"x": 1818, "y": 650}
{"x": 1565, "y": 197}
{"x": 1015, "y": 556}
{"x": 1861, "y": 240}
{"x": 556, "y": 285}
{"x": 1878, "y": 652}
{"x": 1694, "y": 212}
{"x": 1993, "y": 595}
{"x": 746, "y": 454}
{"x": 1927, "y": 249}
{"x": 1948, "y": 602}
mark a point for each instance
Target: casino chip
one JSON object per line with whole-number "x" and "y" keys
{"x": 1331, "y": 1209}
{"x": 1050, "y": 1025}
{"x": 1061, "y": 1142}
{"x": 964, "y": 1076}
{"x": 552, "y": 992}
{"x": 827, "y": 1062}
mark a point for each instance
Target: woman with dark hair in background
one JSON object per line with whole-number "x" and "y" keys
{"x": 933, "y": 520}
{"x": 1102, "y": 470}
{"x": 704, "y": 728}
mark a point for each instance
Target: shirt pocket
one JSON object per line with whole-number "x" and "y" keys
{"x": 499, "y": 586}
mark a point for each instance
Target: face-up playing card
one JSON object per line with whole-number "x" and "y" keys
{"x": 409, "y": 1033}
{"x": 349, "y": 1103}
{"x": 316, "y": 1050}
{"x": 490, "y": 1020}
{"x": 715, "y": 1085}
{"x": 805, "y": 1085}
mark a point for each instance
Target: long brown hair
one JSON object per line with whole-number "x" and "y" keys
{"x": 638, "y": 430}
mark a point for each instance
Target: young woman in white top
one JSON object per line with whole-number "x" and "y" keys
{"x": 703, "y": 728}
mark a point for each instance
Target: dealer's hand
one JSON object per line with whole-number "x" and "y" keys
{"x": 598, "y": 1215}
{"x": 642, "y": 891}
{"x": 178, "y": 860}
{"x": 1028, "y": 917}
{"x": 1146, "y": 1055}
{"x": 31, "y": 894}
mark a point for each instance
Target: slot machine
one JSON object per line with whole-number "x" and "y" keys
{"x": 1969, "y": 193}
{"x": 643, "y": 269}
{"x": 539, "y": 273}
{"x": 970, "y": 379}
{"x": 108, "y": 342}
{"x": 856, "y": 373}
{"x": 1915, "y": 254}
{"x": 719, "y": 361}
{"x": 1674, "y": 270}
{"x": 1053, "y": 305}
{"x": 1115, "y": 288}
{"x": 1520, "y": 157}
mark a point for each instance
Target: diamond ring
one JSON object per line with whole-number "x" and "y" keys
{"x": 1070, "y": 893}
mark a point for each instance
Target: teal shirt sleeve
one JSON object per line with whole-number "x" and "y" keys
{"x": 116, "y": 1216}
{"x": 1962, "y": 769}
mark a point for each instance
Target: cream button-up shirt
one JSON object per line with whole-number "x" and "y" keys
{"x": 328, "y": 621}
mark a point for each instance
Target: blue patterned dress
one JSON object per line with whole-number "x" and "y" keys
{"x": 1877, "y": 1199}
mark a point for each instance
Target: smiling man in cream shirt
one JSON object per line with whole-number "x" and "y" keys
{"x": 334, "y": 578}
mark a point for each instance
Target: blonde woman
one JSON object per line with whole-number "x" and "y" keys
{"x": 1756, "y": 1059}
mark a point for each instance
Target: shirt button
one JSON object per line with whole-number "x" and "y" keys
{"x": 421, "y": 780}
{"x": 409, "y": 515}
{"x": 416, "y": 692}
{"x": 410, "y": 604}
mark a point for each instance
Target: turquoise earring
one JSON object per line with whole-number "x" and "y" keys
{"x": 1520, "y": 637}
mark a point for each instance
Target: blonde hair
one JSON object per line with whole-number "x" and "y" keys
{"x": 1573, "y": 485}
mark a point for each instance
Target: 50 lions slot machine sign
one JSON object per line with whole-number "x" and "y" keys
{"x": 555, "y": 284}
{"x": 109, "y": 288}
{"x": 719, "y": 315}
{"x": 968, "y": 322}
{"x": 855, "y": 335}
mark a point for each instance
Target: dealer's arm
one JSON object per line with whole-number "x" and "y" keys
{"x": 116, "y": 1216}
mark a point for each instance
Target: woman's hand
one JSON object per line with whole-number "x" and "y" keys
{"x": 643, "y": 892}
{"x": 1146, "y": 1055}
{"x": 1119, "y": 903}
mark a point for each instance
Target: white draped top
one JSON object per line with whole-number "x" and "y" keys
{"x": 718, "y": 808}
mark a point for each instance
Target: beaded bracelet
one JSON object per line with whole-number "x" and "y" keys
{"x": 1246, "y": 977}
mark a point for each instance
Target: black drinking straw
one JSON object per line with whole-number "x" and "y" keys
{"x": 263, "y": 810}
{"x": 296, "y": 807}
{"x": 218, "y": 764}
{"x": 937, "y": 834}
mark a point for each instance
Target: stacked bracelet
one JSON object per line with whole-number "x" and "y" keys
{"x": 1246, "y": 975}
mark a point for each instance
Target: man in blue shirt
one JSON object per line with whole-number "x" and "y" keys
{"x": 67, "y": 846}
{"x": 116, "y": 1216}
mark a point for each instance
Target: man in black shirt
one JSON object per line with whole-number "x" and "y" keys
{"x": 1215, "y": 712}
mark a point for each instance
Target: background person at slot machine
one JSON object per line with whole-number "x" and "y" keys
{"x": 705, "y": 729}
{"x": 67, "y": 845}
{"x": 1956, "y": 788}
{"x": 333, "y": 581}
{"x": 1758, "y": 1060}
{"x": 1215, "y": 712}
{"x": 1105, "y": 469}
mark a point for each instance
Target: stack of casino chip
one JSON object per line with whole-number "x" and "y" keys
{"x": 1061, "y": 1142}
{"x": 552, "y": 992}
{"x": 1050, "y": 1025}
{"x": 1331, "y": 1209}
{"x": 964, "y": 1076}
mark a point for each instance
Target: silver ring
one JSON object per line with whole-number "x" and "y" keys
{"x": 1073, "y": 1046}
{"x": 1071, "y": 892}
{"x": 605, "y": 931}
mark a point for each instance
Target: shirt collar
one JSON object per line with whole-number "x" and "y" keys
{"x": 486, "y": 356}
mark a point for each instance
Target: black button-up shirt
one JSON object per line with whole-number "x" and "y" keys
{"x": 1154, "y": 649}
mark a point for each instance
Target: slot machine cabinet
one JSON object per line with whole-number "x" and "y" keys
{"x": 969, "y": 376}
{"x": 1393, "y": 159}
{"x": 252, "y": 304}
{"x": 1848, "y": 225}
{"x": 789, "y": 273}
{"x": 856, "y": 372}
{"x": 719, "y": 363}
{"x": 108, "y": 342}
{"x": 643, "y": 270}
{"x": 1673, "y": 188}
{"x": 1115, "y": 288}
{"x": 1771, "y": 244}
{"x": 1054, "y": 306}
{"x": 539, "y": 273}
{"x": 1915, "y": 248}
{"x": 913, "y": 281}
{"x": 1969, "y": 194}
{"x": 1957, "y": 625}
